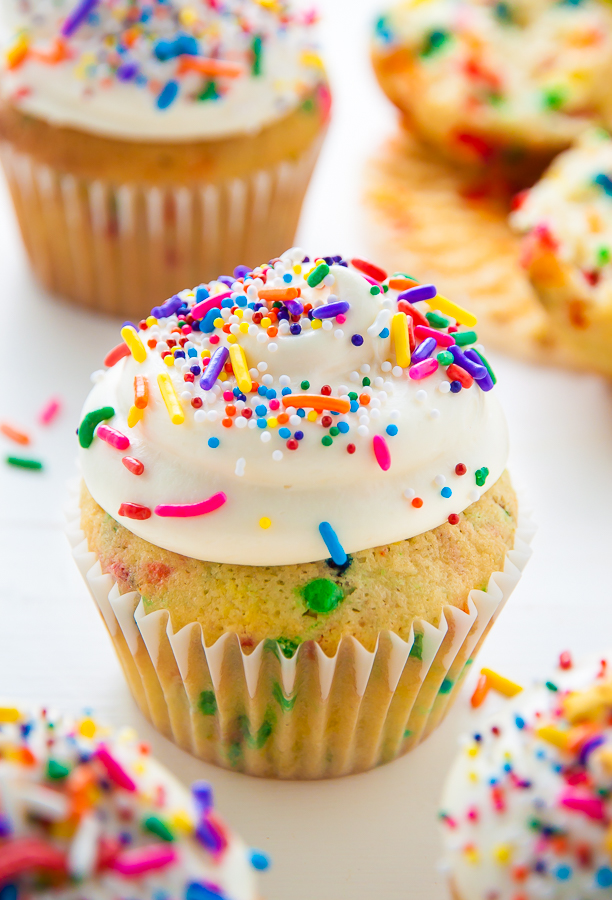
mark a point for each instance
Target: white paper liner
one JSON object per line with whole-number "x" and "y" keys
{"x": 123, "y": 248}
{"x": 367, "y": 708}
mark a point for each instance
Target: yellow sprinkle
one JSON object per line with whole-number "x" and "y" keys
{"x": 448, "y": 308}
{"x": 173, "y": 405}
{"x": 473, "y": 750}
{"x": 231, "y": 339}
{"x": 272, "y": 422}
{"x": 502, "y": 853}
{"x": 223, "y": 376}
{"x": 265, "y": 322}
{"x": 312, "y": 415}
{"x": 244, "y": 327}
{"x": 316, "y": 323}
{"x": 132, "y": 339}
{"x": 592, "y": 704}
{"x": 239, "y": 313}
{"x": 553, "y": 736}
{"x": 265, "y": 522}
{"x": 134, "y": 416}
{"x": 240, "y": 367}
{"x": 182, "y": 821}
{"x": 169, "y": 359}
{"x": 471, "y": 854}
{"x": 309, "y": 58}
{"x": 297, "y": 269}
{"x": 500, "y": 684}
{"x": 399, "y": 335}
{"x": 473, "y": 777}
{"x": 9, "y": 714}
{"x": 205, "y": 354}
{"x": 188, "y": 16}
{"x": 139, "y": 768}
{"x": 17, "y": 52}
{"x": 151, "y": 320}
{"x": 87, "y": 728}
{"x": 219, "y": 323}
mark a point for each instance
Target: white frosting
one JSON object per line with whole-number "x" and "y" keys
{"x": 83, "y": 92}
{"x": 29, "y": 800}
{"x": 501, "y": 60}
{"x": 572, "y": 213}
{"x": 365, "y": 505}
{"x": 496, "y": 853}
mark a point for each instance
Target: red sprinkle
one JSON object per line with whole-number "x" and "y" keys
{"x": 458, "y": 373}
{"x": 417, "y": 503}
{"x": 134, "y": 511}
{"x": 116, "y": 354}
{"x": 460, "y": 469}
{"x": 134, "y": 465}
{"x": 370, "y": 269}
{"x": 453, "y": 519}
{"x": 351, "y": 448}
{"x": 565, "y": 660}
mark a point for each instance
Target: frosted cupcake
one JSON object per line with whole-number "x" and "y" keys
{"x": 566, "y": 220}
{"x": 526, "y": 809}
{"x": 88, "y": 813}
{"x": 148, "y": 146}
{"x": 497, "y": 84}
{"x": 294, "y": 490}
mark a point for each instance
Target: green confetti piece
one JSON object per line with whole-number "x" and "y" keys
{"x": 288, "y": 646}
{"x": 159, "y": 828}
{"x": 487, "y": 366}
{"x": 207, "y": 703}
{"x": 90, "y": 423}
{"x": 416, "y": 651}
{"x": 446, "y": 686}
{"x": 57, "y": 770}
{"x": 318, "y": 274}
{"x": 285, "y": 703}
{"x": 436, "y": 320}
{"x": 445, "y": 358}
{"x": 462, "y": 338}
{"x": 257, "y": 48}
{"x": 481, "y": 476}
{"x": 434, "y": 42}
{"x": 322, "y": 595}
{"x": 21, "y": 463}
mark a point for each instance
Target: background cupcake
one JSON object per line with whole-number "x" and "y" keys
{"x": 526, "y": 808}
{"x": 148, "y": 146}
{"x": 502, "y": 85}
{"x": 88, "y": 813}
{"x": 302, "y": 511}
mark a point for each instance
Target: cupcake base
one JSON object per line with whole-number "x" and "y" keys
{"x": 307, "y": 717}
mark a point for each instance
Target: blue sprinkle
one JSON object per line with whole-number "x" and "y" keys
{"x": 227, "y": 303}
{"x": 285, "y": 391}
{"x": 332, "y": 543}
{"x": 604, "y": 182}
{"x": 287, "y": 278}
{"x": 298, "y": 435}
{"x": 207, "y": 324}
{"x": 354, "y": 406}
{"x": 296, "y": 328}
{"x": 186, "y": 45}
{"x": 271, "y": 395}
{"x": 201, "y": 294}
{"x": 168, "y": 95}
{"x": 301, "y": 413}
{"x": 563, "y": 873}
{"x": 284, "y": 433}
{"x": 384, "y": 333}
{"x": 197, "y": 891}
{"x": 241, "y": 301}
{"x": 195, "y": 370}
{"x": 343, "y": 427}
{"x": 261, "y": 410}
{"x": 603, "y": 877}
{"x": 455, "y": 386}
{"x": 261, "y": 423}
{"x": 192, "y": 352}
{"x": 259, "y": 860}
{"x": 392, "y": 430}
{"x": 446, "y": 492}
{"x": 262, "y": 390}
{"x": 519, "y": 722}
{"x": 357, "y": 340}
{"x": 213, "y": 442}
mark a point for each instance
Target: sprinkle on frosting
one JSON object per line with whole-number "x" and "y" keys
{"x": 88, "y": 813}
{"x": 274, "y": 375}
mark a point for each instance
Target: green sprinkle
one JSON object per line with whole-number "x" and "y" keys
{"x": 481, "y": 476}
{"x": 57, "y": 770}
{"x": 352, "y": 395}
{"x": 317, "y": 276}
{"x": 90, "y": 423}
{"x": 327, "y": 441}
{"x": 322, "y": 595}
{"x": 407, "y": 733}
{"x": 554, "y": 98}
{"x": 445, "y": 358}
{"x": 434, "y": 42}
{"x": 485, "y": 363}
{"x": 465, "y": 337}
{"x": 385, "y": 288}
{"x": 22, "y": 463}
{"x": 257, "y": 48}
{"x": 209, "y": 92}
{"x": 552, "y": 686}
{"x": 366, "y": 381}
{"x": 375, "y": 289}
{"x": 288, "y": 646}
{"x": 159, "y": 828}
{"x": 445, "y": 687}
{"x": 416, "y": 650}
{"x": 308, "y": 105}
{"x": 255, "y": 741}
{"x": 285, "y": 703}
{"x": 207, "y": 703}
{"x": 334, "y": 431}
{"x": 603, "y": 256}
{"x": 305, "y": 385}
{"x": 436, "y": 320}
{"x": 503, "y": 12}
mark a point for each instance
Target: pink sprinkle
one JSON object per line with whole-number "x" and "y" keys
{"x": 186, "y": 511}
{"x": 423, "y": 369}
{"x": 114, "y": 769}
{"x": 144, "y": 859}
{"x": 341, "y": 319}
{"x": 371, "y": 280}
{"x": 113, "y": 437}
{"x": 46, "y": 416}
{"x": 444, "y": 340}
{"x": 473, "y": 814}
{"x": 592, "y": 807}
{"x": 381, "y": 452}
{"x": 200, "y": 309}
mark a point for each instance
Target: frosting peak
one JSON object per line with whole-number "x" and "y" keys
{"x": 301, "y": 410}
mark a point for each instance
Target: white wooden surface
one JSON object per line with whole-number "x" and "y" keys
{"x": 360, "y": 837}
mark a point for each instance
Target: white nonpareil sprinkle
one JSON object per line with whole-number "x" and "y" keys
{"x": 240, "y": 464}
{"x": 265, "y": 435}
{"x": 277, "y": 455}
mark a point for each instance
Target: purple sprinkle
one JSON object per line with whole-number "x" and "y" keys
{"x": 131, "y": 324}
{"x": 484, "y": 382}
{"x": 331, "y": 310}
{"x": 5, "y": 827}
{"x": 472, "y": 366}
{"x": 424, "y": 350}
{"x": 78, "y": 16}
{"x": 295, "y": 307}
{"x": 225, "y": 279}
{"x": 357, "y": 340}
{"x": 127, "y": 72}
{"x": 241, "y": 271}
{"x": 296, "y": 328}
{"x": 208, "y": 835}
{"x": 167, "y": 308}
{"x": 214, "y": 367}
{"x": 455, "y": 386}
{"x": 202, "y": 793}
{"x": 587, "y": 749}
{"x": 420, "y": 292}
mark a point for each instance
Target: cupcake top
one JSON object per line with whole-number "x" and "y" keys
{"x": 569, "y": 213}
{"x": 527, "y": 807}
{"x": 536, "y": 68}
{"x": 305, "y": 409}
{"x": 158, "y": 69}
{"x": 85, "y": 813}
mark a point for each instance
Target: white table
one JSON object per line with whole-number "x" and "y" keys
{"x": 373, "y": 835}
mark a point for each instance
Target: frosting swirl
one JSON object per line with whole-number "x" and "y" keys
{"x": 185, "y": 70}
{"x": 299, "y": 411}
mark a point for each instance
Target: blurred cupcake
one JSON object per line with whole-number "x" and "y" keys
{"x": 88, "y": 813}
{"x": 566, "y": 220}
{"x": 527, "y": 807}
{"x": 147, "y": 146}
{"x": 295, "y": 512}
{"x": 502, "y": 85}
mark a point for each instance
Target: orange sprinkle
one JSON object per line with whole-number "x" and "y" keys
{"x": 364, "y": 399}
{"x": 130, "y": 37}
{"x": 417, "y": 503}
{"x": 141, "y": 392}
{"x": 282, "y": 294}
{"x": 227, "y": 423}
{"x": 254, "y": 387}
{"x": 17, "y": 54}
{"x": 13, "y": 434}
{"x": 272, "y": 331}
{"x": 581, "y": 734}
{"x": 230, "y": 410}
{"x": 210, "y": 67}
{"x": 402, "y": 284}
{"x": 57, "y": 53}
{"x": 480, "y": 693}
{"x": 282, "y": 418}
{"x": 317, "y": 401}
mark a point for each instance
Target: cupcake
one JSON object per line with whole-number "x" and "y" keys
{"x": 527, "y": 806}
{"x": 497, "y": 85}
{"x": 566, "y": 224}
{"x": 295, "y": 511}
{"x": 88, "y": 813}
{"x": 148, "y": 145}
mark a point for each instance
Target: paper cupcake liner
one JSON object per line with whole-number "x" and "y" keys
{"x": 121, "y": 248}
{"x": 311, "y": 716}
